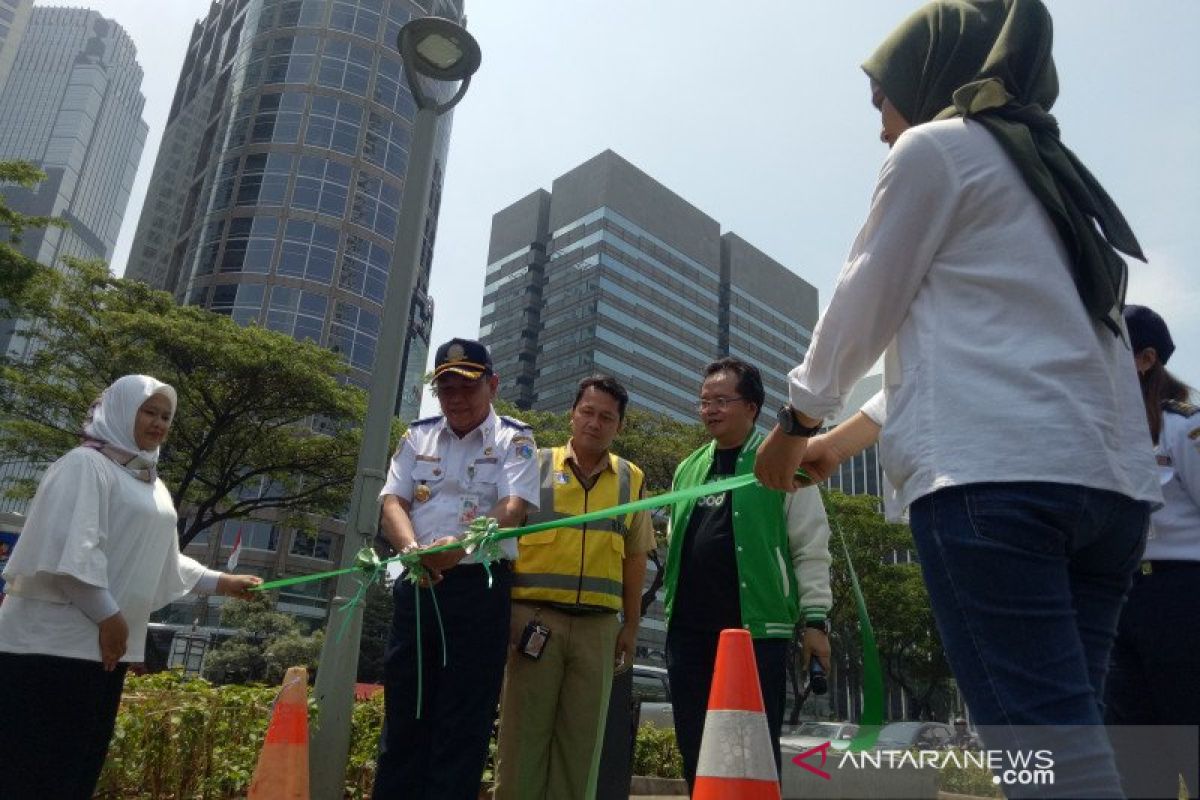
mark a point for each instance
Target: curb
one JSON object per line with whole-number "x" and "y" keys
{"x": 640, "y": 785}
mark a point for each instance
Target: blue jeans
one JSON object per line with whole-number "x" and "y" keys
{"x": 1026, "y": 582}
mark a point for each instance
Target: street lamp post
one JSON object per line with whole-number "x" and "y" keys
{"x": 441, "y": 50}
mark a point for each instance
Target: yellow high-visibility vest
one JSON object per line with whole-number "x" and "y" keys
{"x": 576, "y": 565}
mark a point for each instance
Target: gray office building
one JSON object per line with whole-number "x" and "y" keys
{"x": 274, "y": 199}
{"x": 72, "y": 105}
{"x": 14, "y": 16}
{"x": 610, "y": 271}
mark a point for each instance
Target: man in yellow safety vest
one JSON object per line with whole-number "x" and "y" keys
{"x": 569, "y": 586}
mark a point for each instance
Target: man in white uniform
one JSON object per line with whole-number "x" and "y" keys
{"x": 450, "y": 469}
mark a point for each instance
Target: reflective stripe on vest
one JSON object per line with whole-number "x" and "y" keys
{"x": 575, "y": 565}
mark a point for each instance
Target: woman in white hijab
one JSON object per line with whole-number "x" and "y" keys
{"x": 98, "y": 553}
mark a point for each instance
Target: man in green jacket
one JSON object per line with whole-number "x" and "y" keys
{"x": 751, "y": 558}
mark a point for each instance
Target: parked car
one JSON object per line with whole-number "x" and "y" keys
{"x": 816, "y": 732}
{"x": 909, "y": 734}
{"x": 652, "y": 689}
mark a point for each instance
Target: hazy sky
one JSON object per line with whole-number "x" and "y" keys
{"x": 761, "y": 118}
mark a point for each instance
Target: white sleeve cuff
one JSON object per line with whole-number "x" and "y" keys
{"x": 95, "y": 601}
{"x": 875, "y": 409}
{"x": 208, "y": 582}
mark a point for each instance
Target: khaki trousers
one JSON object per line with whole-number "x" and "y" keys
{"x": 552, "y": 711}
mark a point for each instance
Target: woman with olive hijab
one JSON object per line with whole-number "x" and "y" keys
{"x": 986, "y": 275}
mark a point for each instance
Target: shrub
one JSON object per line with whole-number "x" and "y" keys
{"x": 655, "y": 754}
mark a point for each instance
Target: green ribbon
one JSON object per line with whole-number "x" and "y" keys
{"x": 871, "y": 720}
{"x": 483, "y": 537}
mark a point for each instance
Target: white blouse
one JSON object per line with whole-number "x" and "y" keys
{"x": 994, "y": 371}
{"x": 93, "y": 521}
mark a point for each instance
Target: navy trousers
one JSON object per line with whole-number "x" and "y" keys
{"x": 1154, "y": 680}
{"x": 442, "y": 755}
{"x": 691, "y": 658}
{"x": 56, "y": 719}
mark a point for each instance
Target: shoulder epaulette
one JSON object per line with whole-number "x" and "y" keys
{"x": 512, "y": 422}
{"x": 426, "y": 421}
{"x": 1182, "y": 409}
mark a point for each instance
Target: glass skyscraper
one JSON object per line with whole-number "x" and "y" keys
{"x": 72, "y": 105}
{"x": 612, "y": 272}
{"x": 274, "y": 199}
{"x": 14, "y": 16}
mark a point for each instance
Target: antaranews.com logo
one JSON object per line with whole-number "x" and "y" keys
{"x": 1008, "y": 767}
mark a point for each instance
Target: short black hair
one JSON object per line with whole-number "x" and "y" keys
{"x": 607, "y": 384}
{"x": 749, "y": 379}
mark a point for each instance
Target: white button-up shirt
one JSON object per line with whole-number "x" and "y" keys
{"x": 994, "y": 371}
{"x": 449, "y": 480}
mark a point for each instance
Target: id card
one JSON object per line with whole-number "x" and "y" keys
{"x": 533, "y": 640}
{"x": 468, "y": 509}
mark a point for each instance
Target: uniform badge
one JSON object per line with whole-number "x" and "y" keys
{"x": 524, "y": 451}
{"x": 562, "y": 478}
{"x": 421, "y": 493}
{"x": 456, "y": 353}
{"x": 1194, "y": 434}
{"x": 487, "y": 451}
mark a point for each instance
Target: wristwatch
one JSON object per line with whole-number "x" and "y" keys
{"x": 792, "y": 427}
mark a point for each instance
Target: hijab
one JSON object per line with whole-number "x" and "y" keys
{"x": 109, "y": 427}
{"x": 990, "y": 61}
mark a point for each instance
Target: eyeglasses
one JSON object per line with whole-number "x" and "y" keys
{"x": 719, "y": 403}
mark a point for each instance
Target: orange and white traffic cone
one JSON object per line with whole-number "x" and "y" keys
{"x": 282, "y": 770}
{"x": 737, "y": 756}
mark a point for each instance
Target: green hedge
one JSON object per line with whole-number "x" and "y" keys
{"x": 187, "y": 739}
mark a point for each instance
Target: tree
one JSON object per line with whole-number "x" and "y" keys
{"x": 264, "y": 423}
{"x": 266, "y": 644}
{"x": 17, "y": 270}
{"x": 910, "y": 651}
{"x": 376, "y": 629}
{"x": 653, "y": 441}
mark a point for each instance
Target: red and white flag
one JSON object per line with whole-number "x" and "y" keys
{"x": 231, "y": 564}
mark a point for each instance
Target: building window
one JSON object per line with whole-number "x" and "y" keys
{"x": 360, "y": 18}
{"x": 291, "y": 59}
{"x": 321, "y": 185}
{"x": 250, "y": 244}
{"x": 278, "y": 118}
{"x": 376, "y": 205}
{"x": 312, "y": 545}
{"x": 264, "y": 179}
{"x": 390, "y": 90}
{"x": 308, "y": 251}
{"x": 333, "y": 124}
{"x": 386, "y": 145}
{"x": 298, "y": 313}
{"x": 256, "y": 534}
{"x": 353, "y": 334}
{"x": 345, "y": 66}
{"x": 364, "y": 268}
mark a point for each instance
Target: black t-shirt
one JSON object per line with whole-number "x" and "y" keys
{"x": 707, "y": 596}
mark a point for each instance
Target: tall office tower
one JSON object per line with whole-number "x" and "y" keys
{"x": 274, "y": 199}
{"x": 14, "y": 16}
{"x": 610, "y": 271}
{"x": 72, "y": 105}
{"x": 275, "y": 194}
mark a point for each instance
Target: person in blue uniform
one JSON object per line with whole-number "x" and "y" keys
{"x": 448, "y": 470}
{"x": 1154, "y": 676}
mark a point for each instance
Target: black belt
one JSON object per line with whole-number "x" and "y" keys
{"x": 1160, "y": 565}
